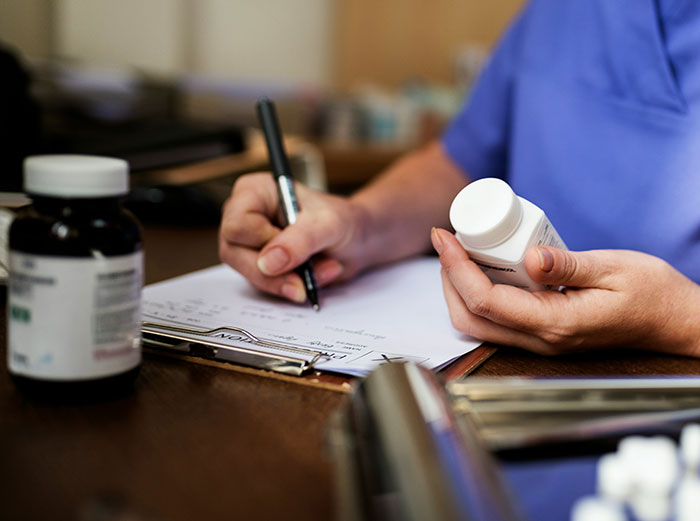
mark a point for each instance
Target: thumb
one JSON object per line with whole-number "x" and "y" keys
{"x": 556, "y": 267}
{"x": 297, "y": 243}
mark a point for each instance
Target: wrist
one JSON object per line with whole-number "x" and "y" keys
{"x": 368, "y": 233}
{"x": 686, "y": 325}
{"x": 694, "y": 336}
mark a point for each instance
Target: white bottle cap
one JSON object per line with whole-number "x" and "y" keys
{"x": 76, "y": 176}
{"x": 485, "y": 213}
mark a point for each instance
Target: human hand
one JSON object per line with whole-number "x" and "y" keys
{"x": 612, "y": 298}
{"x": 251, "y": 242}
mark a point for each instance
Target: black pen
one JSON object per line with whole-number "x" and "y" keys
{"x": 285, "y": 186}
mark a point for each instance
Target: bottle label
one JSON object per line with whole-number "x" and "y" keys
{"x": 516, "y": 274}
{"x": 513, "y": 275}
{"x": 72, "y": 318}
{"x": 548, "y": 236}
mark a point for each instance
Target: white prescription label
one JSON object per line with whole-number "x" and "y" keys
{"x": 72, "y": 318}
{"x": 516, "y": 274}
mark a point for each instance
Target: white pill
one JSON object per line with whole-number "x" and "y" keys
{"x": 651, "y": 462}
{"x": 614, "y": 481}
{"x": 631, "y": 451}
{"x": 690, "y": 446}
{"x": 593, "y": 508}
{"x": 687, "y": 499}
{"x": 658, "y": 468}
{"x": 651, "y": 507}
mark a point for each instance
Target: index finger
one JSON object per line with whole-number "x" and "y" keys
{"x": 249, "y": 213}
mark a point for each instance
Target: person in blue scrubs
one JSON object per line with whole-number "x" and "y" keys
{"x": 588, "y": 108}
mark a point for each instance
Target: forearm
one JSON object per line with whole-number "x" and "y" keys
{"x": 404, "y": 202}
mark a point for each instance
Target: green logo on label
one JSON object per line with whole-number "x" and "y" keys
{"x": 20, "y": 314}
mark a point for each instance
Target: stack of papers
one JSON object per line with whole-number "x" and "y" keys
{"x": 392, "y": 314}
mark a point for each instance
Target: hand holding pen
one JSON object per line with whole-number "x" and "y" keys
{"x": 332, "y": 229}
{"x": 289, "y": 208}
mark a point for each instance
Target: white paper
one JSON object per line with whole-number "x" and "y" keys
{"x": 395, "y": 313}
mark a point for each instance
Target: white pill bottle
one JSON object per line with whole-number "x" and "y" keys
{"x": 497, "y": 228}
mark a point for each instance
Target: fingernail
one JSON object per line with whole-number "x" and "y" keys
{"x": 273, "y": 261}
{"x": 546, "y": 259}
{"x": 294, "y": 291}
{"x": 437, "y": 242}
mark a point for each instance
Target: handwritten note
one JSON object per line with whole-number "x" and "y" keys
{"x": 395, "y": 313}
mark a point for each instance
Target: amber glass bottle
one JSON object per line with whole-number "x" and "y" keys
{"x": 75, "y": 262}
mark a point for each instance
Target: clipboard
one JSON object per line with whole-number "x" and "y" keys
{"x": 292, "y": 363}
{"x": 214, "y": 315}
{"x": 291, "y": 360}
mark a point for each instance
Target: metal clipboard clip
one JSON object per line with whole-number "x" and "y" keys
{"x": 181, "y": 339}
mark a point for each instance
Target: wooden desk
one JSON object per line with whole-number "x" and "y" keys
{"x": 198, "y": 443}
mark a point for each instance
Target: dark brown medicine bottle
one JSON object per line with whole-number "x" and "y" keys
{"x": 74, "y": 291}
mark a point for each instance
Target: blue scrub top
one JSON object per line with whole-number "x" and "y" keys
{"x": 591, "y": 110}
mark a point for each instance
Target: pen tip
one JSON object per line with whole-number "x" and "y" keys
{"x": 316, "y": 307}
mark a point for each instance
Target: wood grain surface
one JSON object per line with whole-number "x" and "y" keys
{"x": 195, "y": 442}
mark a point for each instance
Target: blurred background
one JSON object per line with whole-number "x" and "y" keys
{"x": 170, "y": 85}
